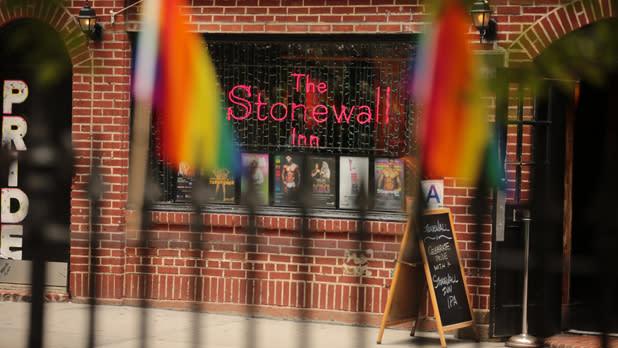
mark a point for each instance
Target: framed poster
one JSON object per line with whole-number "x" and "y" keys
{"x": 322, "y": 173}
{"x": 255, "y": 176}
{"x": 287, "y": 177}
{"x": 353, "y": 174}
{"x": 184, "y": 182}
{"x": 221, "y": 185}
{"x": 389, "y": 184}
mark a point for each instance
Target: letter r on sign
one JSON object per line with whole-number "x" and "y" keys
{"x": 14, "y": 129}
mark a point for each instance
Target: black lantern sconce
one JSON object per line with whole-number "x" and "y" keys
{"x": 88, "y": 23}
{"x": 481, "y": 16}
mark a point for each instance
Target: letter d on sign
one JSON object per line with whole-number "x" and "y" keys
{"x": 6, "y": 216}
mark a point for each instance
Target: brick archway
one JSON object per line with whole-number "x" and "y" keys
{"x": 554, "y": 25}
{"x": 56, "y": 16}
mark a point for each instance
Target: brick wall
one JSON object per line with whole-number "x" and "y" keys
{"x": 175, "y": 260}
{"x": 329, "y": 269}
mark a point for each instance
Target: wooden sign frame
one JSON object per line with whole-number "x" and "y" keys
{"x": 408, "y": 285}
{"x": 404, "y": 296}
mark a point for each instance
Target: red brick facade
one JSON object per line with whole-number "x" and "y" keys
{"x": 220, "y": 269}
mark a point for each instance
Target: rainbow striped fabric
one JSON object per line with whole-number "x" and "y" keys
{"x": 175, "y": 74}
{"x": 454, "y": 135}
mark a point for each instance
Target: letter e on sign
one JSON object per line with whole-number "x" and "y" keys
{"x": 12, "y": 241}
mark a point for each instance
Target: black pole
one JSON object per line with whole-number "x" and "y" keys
{"x": 95, "y": 191}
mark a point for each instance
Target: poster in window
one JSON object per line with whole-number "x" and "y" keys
{"x": 353, "y": 175}
{"x": 221, "y": 185}
{"x": 184, "y": 182}
{"x": 255, "y": 176}
{"x": 287, "y": 170}
{"x": 389, "y": 182}
{"x": 322, "y": 175}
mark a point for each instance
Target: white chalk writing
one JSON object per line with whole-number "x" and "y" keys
{"x": 444, "y": 281}
{"x": 438, "y": 227}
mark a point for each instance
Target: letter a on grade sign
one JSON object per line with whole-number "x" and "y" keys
{"x": 433, "y": 194}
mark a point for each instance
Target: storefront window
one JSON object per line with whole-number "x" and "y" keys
{"x": 310, "y": 100}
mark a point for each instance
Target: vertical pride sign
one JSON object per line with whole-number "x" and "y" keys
{"x": 14, "y": 202}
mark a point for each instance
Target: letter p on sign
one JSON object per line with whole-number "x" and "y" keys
{"x": 14, "y": 92}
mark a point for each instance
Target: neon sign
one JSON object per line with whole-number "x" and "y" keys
{"x": 254, "y": 106}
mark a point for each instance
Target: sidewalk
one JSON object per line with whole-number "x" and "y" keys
{"x": 66, "y": 326}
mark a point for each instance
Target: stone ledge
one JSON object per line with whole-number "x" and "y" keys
{"x": 26, "y": 296}
{"x": 578, "y": 341}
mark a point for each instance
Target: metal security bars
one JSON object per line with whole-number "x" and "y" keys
{"x": 346, "y": 93}
{"x": 202, "y": 234}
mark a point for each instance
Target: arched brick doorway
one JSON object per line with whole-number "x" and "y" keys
{"x": 36, "y": 78}
{"x": 589, "y": 56}
{"x": 571, "y": 148}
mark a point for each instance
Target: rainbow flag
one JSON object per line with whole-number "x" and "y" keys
{"x": 175, "y": 74}
{"x": 454, "y": 135}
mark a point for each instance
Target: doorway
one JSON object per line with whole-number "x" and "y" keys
{"x": 36, "y": 80}
{"x": 533, "y": 152}
{"x": 591, "y": 304}
{"x": 572, "y": 167}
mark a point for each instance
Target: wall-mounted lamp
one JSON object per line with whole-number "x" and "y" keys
{"x": 481, "y": 16}
{"x": 88, "y": 23}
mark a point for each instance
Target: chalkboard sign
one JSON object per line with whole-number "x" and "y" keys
{"x": 444, "y": 273}
{"x": 443, "y": 277}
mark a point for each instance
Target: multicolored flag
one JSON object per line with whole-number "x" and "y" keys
{"x": 454, "y": 133}
{"x": 175, "y": 74}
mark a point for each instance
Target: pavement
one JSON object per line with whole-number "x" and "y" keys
{"x": 66, "y": 326}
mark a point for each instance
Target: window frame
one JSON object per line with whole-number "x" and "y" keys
{"x": 281, "y": 210}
